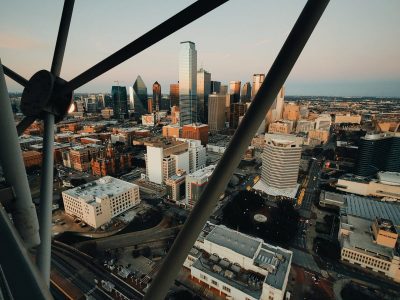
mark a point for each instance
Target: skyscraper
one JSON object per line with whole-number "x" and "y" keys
{"x": 156, "y": 96}
{"x": 275, "y": 112}
{"x": 187, "y": 83}
{"x": 246, "y": 92}
{"x": 257, "y": 81}
{"x": 140, "y": 96}
{"x": 131, "y": 98}
{"x": 119, "y": 101}
{"x": 215, "y": 87}
{"x": 281, "y": 160}
{"x": 234, "y": 89}
{"x": 174, "y": 94}
{"x": 203, "y": 90}
{"x": 223, "y": 90}
{"x": 216, "y": 112}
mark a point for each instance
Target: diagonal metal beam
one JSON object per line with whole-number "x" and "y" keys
{"x": 16, "y": 77}
{"x": 181, "y": 19}
{"x": 274, "y": 80}
{"x": 46, "y": 184}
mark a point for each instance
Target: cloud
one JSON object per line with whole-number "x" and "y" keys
{"x": 8, "y": 41}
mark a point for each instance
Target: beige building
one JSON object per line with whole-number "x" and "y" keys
{"x": 176, "y": 186}
{"x": 97, "y": 202}
{"x": 386, "y": 186}
{"x": 196, "y": 183}
{"x": 291, "y": 111}
{"x": 305, "y": 126}
{"x": 216, "y": 112}
{"x": 354, "y": 119}
{"x": 238, "y": 266}
{"x": 174, "y": 131}
{"x": 320, "y": 135}
{"x": 282, "y": 126}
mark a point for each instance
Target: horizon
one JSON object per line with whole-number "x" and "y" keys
{"x": 363, "y": 61}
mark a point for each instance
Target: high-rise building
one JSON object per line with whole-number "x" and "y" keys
{"x": 234, "y": 89}
{"x": 187, "y": 83}
{"x": 196, "y": 183}
{"x": 174, "y": 94}
{"x": 215, "y": 87}
{"x": 281, "y": 160}
{"x": 291, "y": 111}
{"x": 378, "y": 152}
{"x": 276, "y": 111}
{"x": 140, "y": 96}
{"x": 257, "y": 81}
{"x": 120, "y": 102}
{"x": 165, "y": 103}
{"x": 216, "y": 112}
{"x": 203, "y": 90}
{"x": 237, "y": 110}
{"x": 223, "y": 90}
{"x": 246, "y": 92}
{"x": 131, "y": 98}
{"x": 156, "y": 97}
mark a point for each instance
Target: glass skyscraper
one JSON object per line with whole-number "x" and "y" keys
{"x": 140, "y": 96}
{"x": 203, "y": 90}
{"x": 119, "y": 101}
{"x": 156, "y": 96}
{"x": 188, "y": 83}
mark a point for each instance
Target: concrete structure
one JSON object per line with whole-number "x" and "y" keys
{"x": 305, "y": 126}
{"x": 353, "y": 119}
{"x": 323, "y": 122}
{"x": 196, "y": 183}
{"x": 176, "y": 187}
{"x": 281, "y": 160}
{"x": 282, "y": 126}
{"x": 197, "y": 155}
{"x": 291, "y": 111}
{"x": 174, "y": 131}
{"x": 329, "y": 199}
{"x": 238, "y": 266}
{"x": 257, "y": 81}
{"x": 97, "y": 202}
{"x": 237, "y": 110}
{"x": 196, "y": 132}
{"x": 216, "y": 112}
{"x": 320, "y": 136}
{"x": 370, "y": 245}
{"x": 275, "y": 113}
{"x": 175, "y": 115}
{"x": 188, "y": 83}
{"x": 386, "y": 186}
{"x": 32, "y": 158}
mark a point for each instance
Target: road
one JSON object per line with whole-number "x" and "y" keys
{"x": 100, "y": 272}
{"x": 311, "y": 189}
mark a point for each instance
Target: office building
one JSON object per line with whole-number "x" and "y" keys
{"x": 216, "y": 112}
{"x": 120, "y": 102}
{"x": 323, "y": 122}
{"x": 131, "y": 104}
{"x": 282, "y": 126}
{"x": 238, "y": 266}
{"x": 196, "y": 132}
{"x": 237, "y": 110}
{"x": 318, "y": 137}
{"x": 172, "y": 131}
{"x": 275, "y": 113}
{"x": 196, "y": 183}
{"x": 257, "y": 81}
{"x": 176, "y": 187}
{"x": 160, "y": 164}
{"x": 291, "y": 111}
{"x": 175, "y": 114}
{"x": 156, "y": 103}
{"x": 223, "y": 90}
{"x": 188, "y": 83}
{"x": 197, "y": 154}
{"x": 246, "y": 93}
{"x": 140, "y": 96}
{"x": 280, "y": 165}
{"x": 215, "y": 87}
{"x": 378, "y": 152}
{"x": 305, "y": 126}
{"x": 203, "y": 90}
{"x": 174, "y": 94}
{"x": 32, "y": 158}
{"x": 98, "y": 202}
{"x": 234, "y": 90}
{"x": 386, "y": 186}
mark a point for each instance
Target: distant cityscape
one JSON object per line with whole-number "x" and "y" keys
{"x": 311, "y": 212}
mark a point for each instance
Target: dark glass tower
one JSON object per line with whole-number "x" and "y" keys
{"x": 156, "y": 96}
{"x": 215, "y": 87}
{"x": 203, "y": 90}
{"x": 174, "y": 94}
{"x": 246, "y": 93}
{"x": 140, "y": 96}
{"x": 119, "y": 102}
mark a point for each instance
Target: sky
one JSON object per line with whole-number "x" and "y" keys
{"x": 354, "y": 51}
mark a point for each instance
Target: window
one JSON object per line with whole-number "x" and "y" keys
{"x": 225, "y": 288}
{"x": 203, "y": 277}
{"x": 214, "y": 282}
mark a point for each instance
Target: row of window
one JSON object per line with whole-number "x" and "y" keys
{"x": 366, "y": 260}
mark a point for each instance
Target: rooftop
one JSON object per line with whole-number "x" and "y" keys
{"x": 104, "y": 187}
{"x": 390, "y": 178}
{"x": 207, "y": 171}
{"x": 269, "y": 190}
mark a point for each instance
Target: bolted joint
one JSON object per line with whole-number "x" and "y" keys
{"x": 41, "y": 95}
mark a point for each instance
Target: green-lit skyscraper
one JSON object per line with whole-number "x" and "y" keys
{"x": 188, "y": 83}
{"x": 119, "y": 102}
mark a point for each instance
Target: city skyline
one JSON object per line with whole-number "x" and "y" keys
{"x": 361, "y": 62}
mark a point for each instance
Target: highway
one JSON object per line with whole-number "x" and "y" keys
{"x": 99, "y": 272}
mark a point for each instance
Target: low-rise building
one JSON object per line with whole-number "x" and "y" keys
{"x": 32, "y": 158}
{"x": 176, "y": 186}
{"x": 282, "y": 126}
{"x": 97, "y": 202}
{"x": 172, "y": 131}
{"x": 238, "y": 266}
{"x": 196, "y": 132}
{"x": 386, "y": 186}
{"x": 353, "y": 119}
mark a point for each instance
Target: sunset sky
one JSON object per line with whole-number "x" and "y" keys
{"x": 354, "y": 51}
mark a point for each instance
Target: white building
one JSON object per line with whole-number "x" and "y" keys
{"x": 238, "y": 266}
{"x": 197, "y": 154}
{"x": 196, "y": 183}
{"x": 323, "y": 122}
{"x": 305, "y": 126}
{"x": 97, "y": 202}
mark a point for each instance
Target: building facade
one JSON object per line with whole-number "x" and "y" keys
{"x": 203, "y": 90}
{"x": 140, "y": 96}
{"x": 120, "y": 102}
{"x": 196, "y": 183}
{"x": 216, "y": 112}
